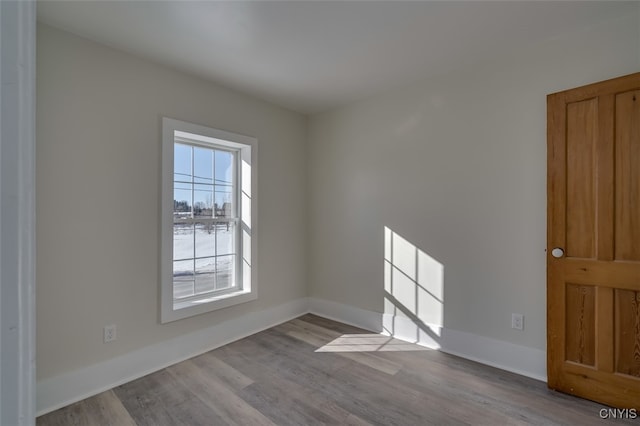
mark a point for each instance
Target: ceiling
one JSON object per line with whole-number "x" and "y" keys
{"x": 310, "y": 56}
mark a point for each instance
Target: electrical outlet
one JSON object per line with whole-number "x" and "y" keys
{"x": 109, "y": 333}
{"x": 517, "y": 321}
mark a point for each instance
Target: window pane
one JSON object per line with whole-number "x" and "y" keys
{"x": 225, "y": 241}
{"x": 246, "y": 209}
{"x": 183, "y": 241}
{"x": 223, "y": 203}
{"x": 183, "y": 279}
{"x": 182, "y": 289}
{"x": 202, "y": 165}
{"x": 246, "y": 247}
{"x": 225, "y": 275}
{"x": 224, "y": 168}
{"x": 182, "y": 200}
{"x": 246, "y": 275}
{"x": 205, "y": 239}
{"x": 203, "y": 200}
{"x": 205, "y": 274}
{"x": 182, "y": 162}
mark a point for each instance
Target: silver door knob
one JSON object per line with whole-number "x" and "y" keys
{"x": 557, "y": 252}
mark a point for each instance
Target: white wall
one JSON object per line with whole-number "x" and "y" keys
{"x": 98, "y": 197}
{"x": 456, "y": 165}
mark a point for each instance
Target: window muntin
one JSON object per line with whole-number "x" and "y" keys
{"x": 207, "y": 238}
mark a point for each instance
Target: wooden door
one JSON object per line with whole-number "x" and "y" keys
{"x": 593, "y": 215}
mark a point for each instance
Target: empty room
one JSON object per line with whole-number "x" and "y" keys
{"x": 320, "y": 212}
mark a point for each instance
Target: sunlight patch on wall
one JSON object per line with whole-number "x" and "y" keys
{"x": 414, "y": 288}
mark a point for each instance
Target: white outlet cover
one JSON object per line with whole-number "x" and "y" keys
{"x": 517, "y": 321}
{"x": 109, "y": 333}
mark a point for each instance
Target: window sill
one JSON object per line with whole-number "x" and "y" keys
{"x": 190, "y": 308}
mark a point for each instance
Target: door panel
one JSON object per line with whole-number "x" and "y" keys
{"x": 627, "y": 133}
{"x": 627, "y": 334}
{"x": 582, "y": 124}
{"x": 593, "y": 194}
{"x": 581, "y": 317}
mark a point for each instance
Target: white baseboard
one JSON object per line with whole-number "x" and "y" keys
{"x": 60, "y": 391}
{"x": 346, "y": 314}
{"x": 518, "y": 359}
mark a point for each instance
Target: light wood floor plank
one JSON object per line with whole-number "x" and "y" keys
{"x": 217, "y": 395}
{"x": 211, "y": 365}
{"x": 158, "y": 400}
{"x": 73, "y": 415}
{"x": 107, "y": 409}
{"x": 269, "y": 370}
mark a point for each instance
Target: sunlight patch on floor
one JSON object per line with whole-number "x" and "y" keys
{"x": 369, "y": 343}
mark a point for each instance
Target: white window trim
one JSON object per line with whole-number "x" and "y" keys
{"x": 248, "y": 151}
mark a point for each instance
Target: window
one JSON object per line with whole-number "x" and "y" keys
{"x": 208, "y": 219}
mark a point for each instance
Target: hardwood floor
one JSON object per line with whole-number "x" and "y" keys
{"x": 312, "y": 371}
